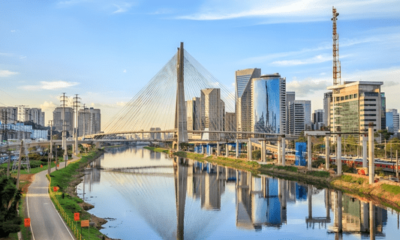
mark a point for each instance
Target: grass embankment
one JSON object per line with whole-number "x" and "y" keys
{"x": 384, "y": 192}
{"x": 68, "y": 200}
{"x": 154, "y": 149}
{"x": 320, "y": 178}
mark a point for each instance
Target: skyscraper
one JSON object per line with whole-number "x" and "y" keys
{"x": 327, "y": 109}
{"x": 307, "y": 113}
{"x": 268, "y": 104}
{"x": 392, "y": 120}
{"x": 318, "y": 119}
{"x": 230, "y": 123}
{"x": 58, "y": 117}
{"x": 290, "y": 97}
{"x": 212, "y": 112}
{"x": 89, "y": 121}
{"x": 243, "y": 97}
{"x": 34, "y": 115}
{"x": 356, "y": 105}
{"x": 193, "y": 110}
{"x": 296, "y": 117}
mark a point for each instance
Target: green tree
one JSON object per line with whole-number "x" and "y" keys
{"x": 301, "y": 138}
{"x": 385, "y": 134}
{"x": 9, "y": 197}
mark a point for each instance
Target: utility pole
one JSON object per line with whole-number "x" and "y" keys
{"x": 84, "y": 122}
{"x": 76, "y": 107}
{"x": 50, "y": 157}
{"x": 5, "y": 134}
{"x": 56, "y": 146}
{"x": 385, "y": 150}
{"x": 22, "y": 118}
{"x": 64, "y": 100}
{"x": 19, "y": 162}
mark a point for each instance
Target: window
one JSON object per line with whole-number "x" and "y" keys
{"x": 370, "y": 100}
{"x": 355, "y": 95}
{"x": 369, "y": 105}
{"x": 337, "y": 99}
{"x": 369, "y": 120}
{"x": 368, "y": 110}
{"x": 350, "y": 96}
{"x": 370, "y": 94}
{"x": 346, "y": 97}
{"x": 341, "y": 98}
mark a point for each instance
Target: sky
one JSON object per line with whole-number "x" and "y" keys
{"x": 106, "y": 51}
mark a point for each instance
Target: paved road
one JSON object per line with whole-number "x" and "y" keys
{"x": 46, "y": 223}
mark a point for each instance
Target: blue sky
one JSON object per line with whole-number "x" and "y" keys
{"x": 106, "y": 51}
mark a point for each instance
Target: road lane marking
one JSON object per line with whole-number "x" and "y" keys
{"x": 27, "y": 206}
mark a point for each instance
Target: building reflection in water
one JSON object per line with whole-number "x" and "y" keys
{"x": 262, "y": 201}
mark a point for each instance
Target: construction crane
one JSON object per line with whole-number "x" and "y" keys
{"x": 336, "y": 63}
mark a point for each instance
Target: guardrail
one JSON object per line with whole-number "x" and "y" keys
{"x": 71, "y": 224}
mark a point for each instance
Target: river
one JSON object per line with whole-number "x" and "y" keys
{"x": 153, "y": 196}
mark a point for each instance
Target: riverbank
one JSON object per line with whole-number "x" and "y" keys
{"x": 66, "y": 180}
{"x": 384, "y": 192}
{"x": 319, "y": 178}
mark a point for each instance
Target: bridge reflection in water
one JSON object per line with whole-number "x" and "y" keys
{"x": 184, "y": 201}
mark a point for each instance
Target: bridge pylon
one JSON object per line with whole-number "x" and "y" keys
{"x": 180, "y": 109}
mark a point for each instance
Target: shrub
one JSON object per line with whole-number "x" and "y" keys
{"x": 319, "y": 173}
{"x": 391, "y": 188}
{"x": 10, "y": 196}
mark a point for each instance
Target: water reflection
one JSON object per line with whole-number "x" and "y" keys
{"x": 192, "y": 200}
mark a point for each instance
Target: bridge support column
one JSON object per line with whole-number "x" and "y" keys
{"x": 226, "y": 150}
{"x": 283, "y": 151}
{"x": 237, "y": 148}
{"x": 310, "y": 188}
{"x": 339, "y": 155}
{"x": 309, "y": 153}
{"x": 327, "y": 152}
{"x": 210, "y": 150}
{"x": 372, "y": 225}
{"x": 365, "y": 139}
{"x": 339, "y": 210}
{"x": 263, "y": 151}
{"x": 279, "y": 152}
{"x": 371, "y": 171}
{"x": 218, "y": 150}
{"x": 249, "y": 150}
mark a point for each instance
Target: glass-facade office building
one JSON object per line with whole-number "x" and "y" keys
{"x": 268, "y": 111}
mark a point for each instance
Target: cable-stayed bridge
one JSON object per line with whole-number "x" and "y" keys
{"x": 159, "y": 109}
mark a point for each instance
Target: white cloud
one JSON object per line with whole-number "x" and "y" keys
{"x": 294, "y": 10}
{"x": 113, "y": 6}
{"x": 124, "y": 71}
{"x": 50, "y": 85}
{"x": 121, "y": 104}
{"x": 13, "y": 31}
{"x": 121, "y": 8}
{"x": 313, "y": 88}
{"x": 307, "y": 86}
{"x": 7, "y": 73}
{"x": 314, "y": 60}
{"x": 48, "y": 106}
